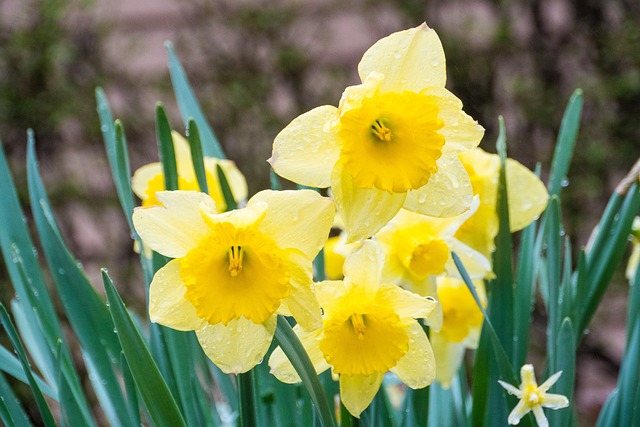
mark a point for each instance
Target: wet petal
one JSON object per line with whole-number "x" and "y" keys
{"x": 184, "y": 163}
{"x": 235, "y": 178}
{"x": 297, "y": 219}
{"x": 306, "y": 150}
{"x": 417, "y": 368}
{"x": 302, "y": 302}
{"x": 476, "y": 264}
{"x": 329, "y": 290}
{"x": 167, "y": 305}
{"x": 363, "y": 210}
{"x": 142, "y": 177}
{"x": 527, "y": 195}
{"x": 176, "y": 227}
{"x": 239, "y": 346}
{"x": 407, "y": 304}
{"x": 410, "y": 60}
{"x": 448, "y": 192}
{"x": 357, "y": 391}
{"x": 448, "y": 356}
{"x": 364, "y": 265}
{"x": 282, "y": 368}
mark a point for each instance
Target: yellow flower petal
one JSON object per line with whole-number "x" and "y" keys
{"x": 555, "y": 401}
{"x": 408, "y": 304}
{"x": 239, "y": 346}
{"x": 460, "y": 130}
{"x": 143, "y": 176}
{"x": 296, "y": 219}
{"x": 167, "y": 304}
{"x": 329, "y": 290}
{"x": 477, "y": 265}
{"x": 357, "y": 391}
{"x": 448, "y": 356}
{"x": 541, "y": 419}
{"x": 364, "y": 265}
{"x": 281, "y": 367}
{"x": 333, "y": 260}
{"x": 364, "y": 210}
{"x": 410, "y": 60}
{"x": 448, "y": 192}
{"x": 235, "y": 178}
{"x": 417, "y": 368}
{"x": 520, "y": 410}
{"x": 176, "y": 227}
{"x": 527, "y": 195}
{"x": 182, "y": 151}
{"x": 302, "y": 302}
{"x": 306, "y": 150}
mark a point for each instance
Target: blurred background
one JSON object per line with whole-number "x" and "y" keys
{"x": 257, "y": 64}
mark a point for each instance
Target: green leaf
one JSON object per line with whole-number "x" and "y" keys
{"x": 524, "y": 294}
{"x": 132, "y": 392}
{"x": 11, "y": 413}
{"x": 189, "y": 106}
{"x": 565, "y": 362}
{"x": 45, "y": 412}
{"x": 153, "y": 389}
{"x": 296, "y": 354}
{"x": 116, "y": 147}
{"x": 609, "y": 416}
{"x": 166, "y": 149}
{"x": 226, "y": 189}
{"x": 565, "y": 143}
{"x": 85, "y": 310}
{"x": 629, "y": 378}
{"x": 275, "y": 181}
{"x": 246, "y": 395}
{"x": 12, "y": 366}
{"x": 197, "y": 157}
{"x": 553, "y": 244}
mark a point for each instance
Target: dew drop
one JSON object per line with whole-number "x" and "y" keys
{"x": 104, "y": 128}
{"x": 435, "y": 63}
{"x": 564, "y": 182}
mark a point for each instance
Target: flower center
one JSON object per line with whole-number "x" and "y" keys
{"x": 381, "y": 131}
{"x": 533, "y": 398}
{"x": 429, "y": 258}
{"x": 236, "y": 254}
{"x": 460, "y": 313}
{"x": 357, "y": 321}
{"x": 391, "y": 141}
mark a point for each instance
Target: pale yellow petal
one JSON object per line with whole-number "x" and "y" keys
{"x": 448, "y": 192}
{"x": 302, "y": 302}
{"x": 461, "y": 132}
{"x": 407, "y": 304}
{"x": 364, "y": 265}
{"x": 555, "y": 401}
{"x": 550, "y": 381}
{"x": 448, "y": 356}
{"x": 239, "y": 346}
{"x": 240, "y": 218}
{"x": 176, "y": 227}
{"x": 141, "y": 178}
{"x": 306, "y": 150}
{"x": 235, "y": 178}
{"x": 184, "y": 163}
{"x": 511, "y": 389}
{"x": 417, "y": 368}
{"x": 477, "y": 265}
{"x": 527, "y": 195}
{"x": 357, "y": 391}
{"x": 282, "y": 368}
{"x": 329, "y": 290}
{"x": 167, "y": 304}
{"x": 363, "y": 210}
{"x": 410, "y": 60}
{"x": 541, "y": 419}
{"x": 528, "y": 377}
{"x": 518, "y": 412}
{"x": 296, "y": 219}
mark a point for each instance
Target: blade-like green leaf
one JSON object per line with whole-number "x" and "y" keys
{"x": 153, "y": 389}
{"x": 85, "y": 310}
{"x": 189, "y": 106}
{"x": 166, "y": 149}
{"x": 45, "y": 412}
{"x": 11, "y": 413}
{"x": 565, "y": 143}
{"x": 630, "y": 377}
{"x": 565, "y": 362}
{"x": 226, "y": 190}
{"x": 609, "y": 415}
{"x": 296, "y": 354}
{"x": 12, "y": 366}
{"x": 524, "y": 294}
{"x": 553, "y": 244}
{"x": 197, "y": 156}
{"x": 246, "y": 395}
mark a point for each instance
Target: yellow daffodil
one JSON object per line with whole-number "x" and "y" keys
{"x": 534, "y": 397}
{"x": 634, "y": 258}
{"x": 461, "y": 325}
{"x": 392, "y": 142}
{"x": 369, "y": 328}
{"x": 149, "y": 179}
{"x": 527, "y": 198}
{"x": 418, "y": 249}
{"x": 233, "y": 272}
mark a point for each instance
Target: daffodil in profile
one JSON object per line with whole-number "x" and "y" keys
{"x": 527, "y": 196}
{"x": 392, "y": 142}
{"x": 461, "y": 324}
{"x": 149, "y": 179}
{"x": 534, "y": 397}
{"x": 369, "y": 328}
{"x": 233, "y": 272}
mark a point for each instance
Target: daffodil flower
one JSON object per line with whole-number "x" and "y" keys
{"x": 369, "y": 328}
{"x": 392, "y": 142}
{"x": 461, "y": 325}
{"x": 634, "y": 258}
{"x": 233, "y": 272}
{"x": 534, "y": 397}
{"x": 418, "y": 249}
{"x": 527, "y": 196}
{"x": 149, "y": 179}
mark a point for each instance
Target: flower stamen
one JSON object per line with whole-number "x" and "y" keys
{"x": 236, "y": 255}
{"x": 381, "y": 131}
{"x": 358, "y": 325}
